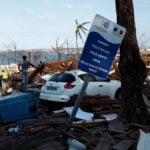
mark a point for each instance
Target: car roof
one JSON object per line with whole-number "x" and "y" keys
{"x": 80, "y": 72}
{"x": 76, "y": 71}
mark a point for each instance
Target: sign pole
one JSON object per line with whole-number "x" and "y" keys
{"x": 78, "y": 101}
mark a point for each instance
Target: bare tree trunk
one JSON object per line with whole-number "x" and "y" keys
{"x": 132, "y": 68}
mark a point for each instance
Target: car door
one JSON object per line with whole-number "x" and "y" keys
{"x": 104, "y": 86}
{"x": 92, "y": 88}
{"x": 99, "y": 86}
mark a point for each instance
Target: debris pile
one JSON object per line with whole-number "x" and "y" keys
{"x": 104, "y": 131}
{"x": 51, "y": 131}
{"x": 99, "y": 104}
{"x": 60, "y": 65}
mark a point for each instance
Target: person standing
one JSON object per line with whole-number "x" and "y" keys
{"x": 4, "y": 75}
{"x": 0, "y": 82}
{"x": 41, "y": 66}
{"x": 4, "y": 82}
{"x": 23, "y": 67}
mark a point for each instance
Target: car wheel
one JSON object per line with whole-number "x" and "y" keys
{"x": 118, "y": 94}
{"x": 1, "y": 122}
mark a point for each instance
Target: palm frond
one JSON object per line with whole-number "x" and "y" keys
{"x": 76, "y": 22}
{"x": 80, "y": 36}
{"x": 83, "y": 30}
{"x": 84, "y": 23}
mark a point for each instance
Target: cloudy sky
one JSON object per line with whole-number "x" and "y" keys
{"x": 32, "y": 24}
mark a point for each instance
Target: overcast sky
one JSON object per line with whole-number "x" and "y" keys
{"x": 32, "y": 24}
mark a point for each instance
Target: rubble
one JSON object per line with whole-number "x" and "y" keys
{"x": 49, "y": 131}
{"x": 105, "y": 131}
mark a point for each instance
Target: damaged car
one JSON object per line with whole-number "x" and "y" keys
{"x": 62, "y": 85}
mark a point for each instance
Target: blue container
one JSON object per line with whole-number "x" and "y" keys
{"x": 19, "y": 106}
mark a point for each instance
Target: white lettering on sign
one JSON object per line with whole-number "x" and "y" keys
{"x": 102, "y": 56}
{"x": 94, "y": 67}
{"x": 93, "y": 53}
{"x": 95, "y": 46}
{"x": 105, "y": 51}
{"x": 103, "y": 43}
{"x": 93, "y": 70}
{"x": 96, "y": 60}
{"x": 100, "y": 49}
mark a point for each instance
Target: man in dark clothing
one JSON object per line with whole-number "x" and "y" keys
{"x": 23, "y": 67}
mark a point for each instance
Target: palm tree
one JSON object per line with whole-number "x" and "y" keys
{"x": 79, "y": 28}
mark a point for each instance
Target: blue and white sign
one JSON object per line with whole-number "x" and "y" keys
{"x": 101, "y": 46}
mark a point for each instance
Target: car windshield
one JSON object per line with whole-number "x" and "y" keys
{"x": 62, "y": 77}
{"x": 92, "y": 78}
{"x": 54, "y": 77}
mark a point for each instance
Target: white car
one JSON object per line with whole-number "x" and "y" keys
{"x": 62, "y": 85}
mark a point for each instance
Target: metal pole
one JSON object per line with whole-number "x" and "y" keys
{"x": 78, "y": 101}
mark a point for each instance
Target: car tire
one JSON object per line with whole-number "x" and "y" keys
{"x": 118, "y": 94}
